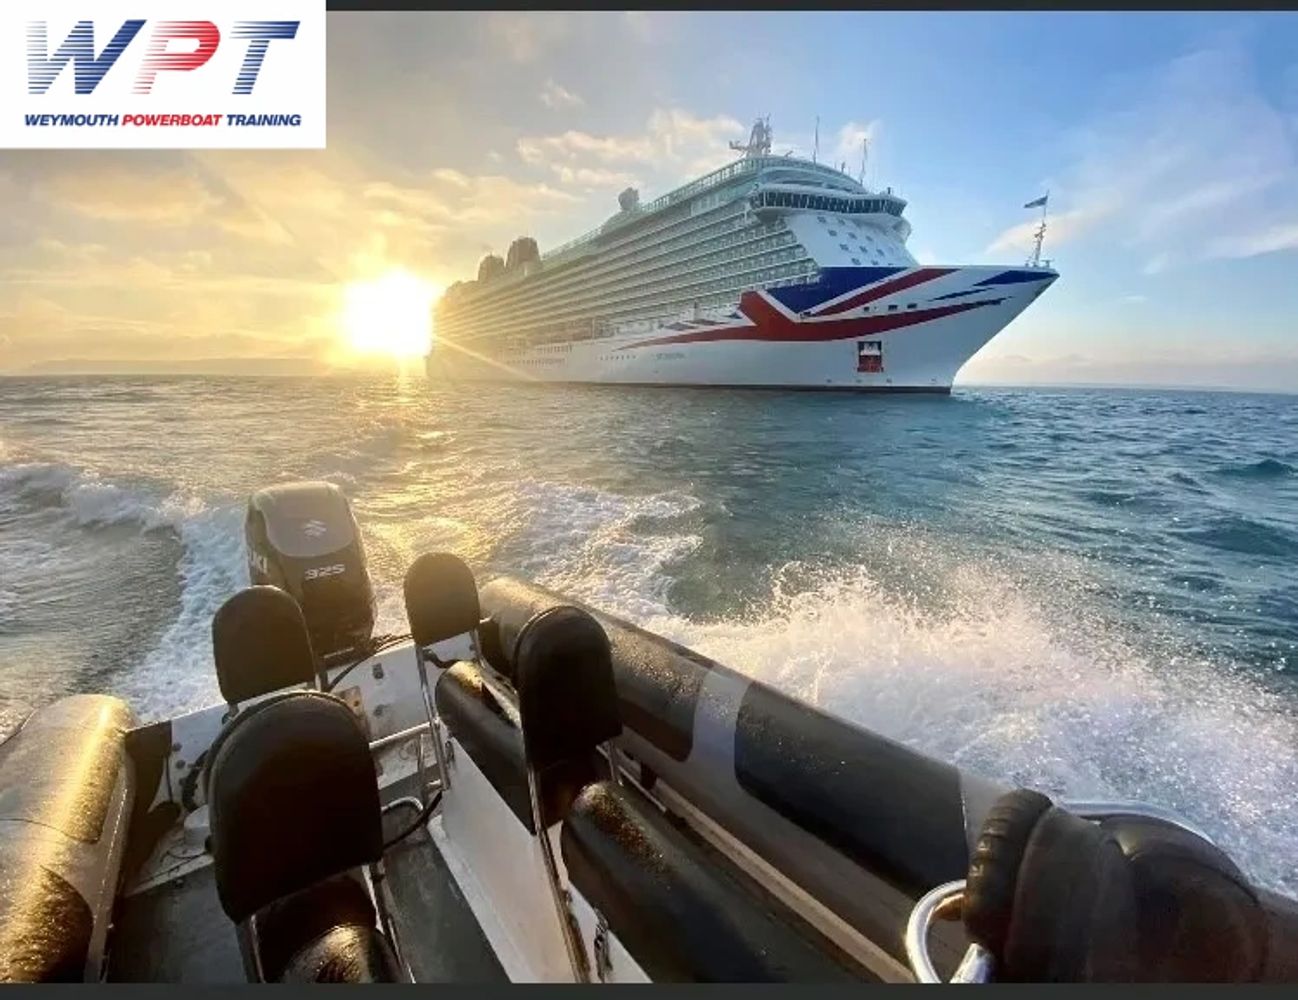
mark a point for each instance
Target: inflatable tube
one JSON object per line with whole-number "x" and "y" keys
{"x": 859, "y": 822}
{"x": 65, "y": 796}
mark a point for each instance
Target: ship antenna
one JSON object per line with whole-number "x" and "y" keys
{"x": 815, "y": 150}
{"x": 864, "y": 145}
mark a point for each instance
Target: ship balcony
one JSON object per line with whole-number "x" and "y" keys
{"x": 797, "y": 197}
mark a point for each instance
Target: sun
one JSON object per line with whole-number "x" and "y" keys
{"x": 389, "y": 315}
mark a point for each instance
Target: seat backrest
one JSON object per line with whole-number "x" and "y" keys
{"x": 566, "y": 709}
{"x": 294, "y": 799}
{"x": 260, "y": 644}
{"x": 567, "y": 703}
{"x": 441, "y": 598}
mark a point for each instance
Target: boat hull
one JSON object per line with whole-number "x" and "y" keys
{"x": 868, "y": 329}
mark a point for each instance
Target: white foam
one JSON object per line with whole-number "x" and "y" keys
{"x": 177, "y": 675}
{"x": 992, "y": 686}
{"x": 87, "y": 498}
{"x": 583, "y": 541}
{"x": 997, "y": 668}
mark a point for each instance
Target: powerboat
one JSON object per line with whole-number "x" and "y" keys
{"x": 528, "y": 789}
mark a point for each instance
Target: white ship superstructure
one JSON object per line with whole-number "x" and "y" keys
{"x": 772, "y": 271}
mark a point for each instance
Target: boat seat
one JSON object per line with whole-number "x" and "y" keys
{"x": 490, "y": 734}
{"x": 260, "y": 644}
{"x": 295, "y": 806}
{"x": 325, "y": 934}
{"x": 441, "y": 599}
{"x": 678, "y": 915}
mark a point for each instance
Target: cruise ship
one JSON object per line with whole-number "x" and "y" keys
{"x": 773, "y": 271}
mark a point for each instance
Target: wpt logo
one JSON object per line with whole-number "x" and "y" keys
{"x": 96, "y": 73}
{"x": 79, "y": 49}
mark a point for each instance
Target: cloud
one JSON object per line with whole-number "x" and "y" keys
{"x": 451, "y": 196}
{"x": 674, "y": 142}
{"x": 554, "y": 95}
{"x": 1063, "y": 227}
{"x": 572, "y": 145}
{"x": 1196, "y": 163}
{"x": 172, "y": 197}
{"x": 594, "y": 177}
{"x": 1262, "y": 240}
{"x": 850, "y": 137}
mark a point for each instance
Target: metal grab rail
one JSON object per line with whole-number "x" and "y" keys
{"x": 392, "y": 739}
{"x": 942, "y": 903}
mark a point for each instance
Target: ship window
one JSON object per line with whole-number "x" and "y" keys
{"x": 856, "y": 261}
{"x": 910, "y": 305}
{"x": 892, "y": 309}
{"x": 821, "y": 220}
{"x": 833, "y": 232}
{"x": 843, "y": 245}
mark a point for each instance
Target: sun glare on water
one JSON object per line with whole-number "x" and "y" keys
{"x": 390, "y": 315}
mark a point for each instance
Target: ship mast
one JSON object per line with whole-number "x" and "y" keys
{"x": 1040, "y": 235}
{"x": 759, "y": 140}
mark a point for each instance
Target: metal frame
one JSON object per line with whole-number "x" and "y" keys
{"x": 942, "y": 903}
{"x": 423, "y": 657}
{"x": 377, "y": 883}
{"x": 434, "y": 723}
{"x": 374, "y": 877}
{"x": 562, "y": 900}
{"x": 248, "y": 951}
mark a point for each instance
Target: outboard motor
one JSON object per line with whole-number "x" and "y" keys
{"x": 303, "y": 538}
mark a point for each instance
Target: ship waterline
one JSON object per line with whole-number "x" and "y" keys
{"x": 772, "y": 272}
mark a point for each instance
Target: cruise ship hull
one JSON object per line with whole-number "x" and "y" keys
{"x": 869, "y": 329}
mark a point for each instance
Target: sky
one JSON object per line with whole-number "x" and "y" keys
{"x": 1168, "y": 143}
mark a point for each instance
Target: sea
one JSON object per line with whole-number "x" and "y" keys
{"x": 1093, "y": 592}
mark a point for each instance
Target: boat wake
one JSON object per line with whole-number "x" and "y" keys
{"x": 1004, "y": 669}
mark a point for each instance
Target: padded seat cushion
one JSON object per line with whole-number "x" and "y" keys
{"x": 290, "y": 925}
{"x": 348, "y": 954}
{"x": 294, "y": 800}
{"x": 680, "y": 917}
{"x": 489, "y": 736}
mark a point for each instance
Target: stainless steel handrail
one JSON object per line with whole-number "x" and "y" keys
{"x": 937, "y": 904}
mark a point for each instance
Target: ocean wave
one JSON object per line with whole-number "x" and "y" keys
{"x": 88, "y": 500}
{"x": 177, "y": 674}
{"x": 1266, "y": 468}
{"x": 1234, "y": 533}
{"x": 599, "y": 545}
{"x": 994, "y": 683}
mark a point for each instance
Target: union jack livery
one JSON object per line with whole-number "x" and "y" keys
{"x": 773, "y": 271}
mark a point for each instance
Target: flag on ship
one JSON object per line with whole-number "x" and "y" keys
{"x": 1038, "y": 203}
